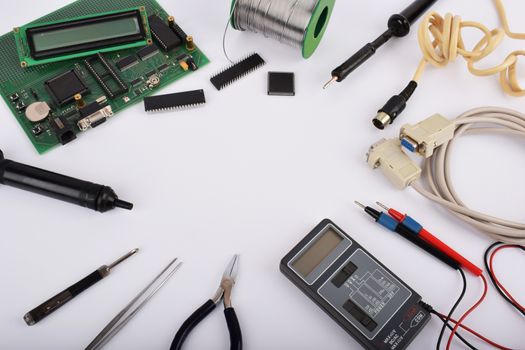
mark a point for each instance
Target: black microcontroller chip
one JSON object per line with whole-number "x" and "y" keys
{"x": 147, "y": 52}
{"x": 163, "y": 34}
{"x": 237, "y": 70}
{"x": 136, "y": 81}
{"x": 281, "y": 84}
{"x": 65, "y": 86}
{"x": 163, "y": 68}
{"x": 127, "y": 62}
{"x": 177, "y": 100}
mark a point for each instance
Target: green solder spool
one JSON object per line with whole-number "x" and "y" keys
{"x": 314, "y": 31}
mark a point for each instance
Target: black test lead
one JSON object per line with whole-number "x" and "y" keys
{"x": 398, "y": 26}
{"x": 83, "y": 193}
{"x": 390, "y": 223}
{"x": 48, "y": 307}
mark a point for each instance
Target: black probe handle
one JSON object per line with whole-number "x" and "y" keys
{"x": 360, "y": 56}
{"x": 406, "y": 233}
{"x": 354, "y": 62}
{"x": 234, "y": 328}
{"x": 416, "y": 9}
{"x": 398, "y": 25}
{"x": 192, "y": 321}
{"x": 48, "y": 307}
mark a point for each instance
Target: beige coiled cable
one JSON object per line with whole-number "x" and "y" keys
{"x": 441, "y": 42}
{"x": 437, "y": 171}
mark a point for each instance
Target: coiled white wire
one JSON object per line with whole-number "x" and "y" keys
{"x": 283, "y": 20}
{"x": 437, "y": 171}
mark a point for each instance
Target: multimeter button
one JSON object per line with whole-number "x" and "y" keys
{"x": 344, "y": 274}
{"x": 340, "y": 279}
{"x": 350, "y": 268}
{"x": 359, "y": 315}
{"x": 369, "y": 323}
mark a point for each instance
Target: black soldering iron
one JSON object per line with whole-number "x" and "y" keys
{"x": 398, "y": 26}
{"x": 86, "y": 194}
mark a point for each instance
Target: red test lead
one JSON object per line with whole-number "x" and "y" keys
{"x": 420, "y": 231}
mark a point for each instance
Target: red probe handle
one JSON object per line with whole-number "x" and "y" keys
{"x": 430, "y": 238}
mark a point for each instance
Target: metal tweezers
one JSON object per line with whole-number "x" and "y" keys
{"x": 124, "y": 316}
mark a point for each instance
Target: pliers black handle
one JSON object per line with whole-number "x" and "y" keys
{"x": 224, "y": 293}
{"x": 200, "y": 314}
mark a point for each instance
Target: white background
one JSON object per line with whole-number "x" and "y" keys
{"x": 252, "y": 174}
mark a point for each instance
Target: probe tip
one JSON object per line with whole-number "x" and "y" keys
{"x": 383, "y": 206}
{"x": 330, "y": 82}
{"x": 360, "y": 205}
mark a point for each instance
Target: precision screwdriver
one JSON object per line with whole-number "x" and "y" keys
{"x": 417, "y": 229}
{"x": 398, "y": 26}
{"x": 48, "y": 307}
{"x": 394, "y": 226}
{"x": 83, "y": 193}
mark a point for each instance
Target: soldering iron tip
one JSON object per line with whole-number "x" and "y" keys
{"x": 360, "y": 205}
{"x": 125, "y": 257}
{"x": 383, "y": 206}
{"x": 334, "y": 79}
{"x": 123, "y": 204}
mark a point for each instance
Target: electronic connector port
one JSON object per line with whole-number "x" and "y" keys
{"x": 94, "y": 115}
{"x": 388, "y": 156}
{"x": 427, "y": 135}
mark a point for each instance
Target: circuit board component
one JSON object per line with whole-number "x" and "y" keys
{"x": 127, "y": 62}
{"x": 163, "y": 34}
{"x": 82, "y": 36}
{"x": 37, "y": 111}
{"x": 94, "y": 114}
{"x": 176, "y": 100}
{"x": 147, "y": 52}
{"x": 65, "y": 86}
{"x": 281, "y": 84}
{"x": 237, "y": 71}
{"x": 104, "y": 83}
{"x": 106, "y": 76}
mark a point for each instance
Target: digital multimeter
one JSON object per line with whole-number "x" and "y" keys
{"x": 364, "y": 297}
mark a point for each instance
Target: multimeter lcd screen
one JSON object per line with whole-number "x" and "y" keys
{"x": 317, "y": 252}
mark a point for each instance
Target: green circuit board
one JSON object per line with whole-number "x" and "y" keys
{"x": 21, "y": 87}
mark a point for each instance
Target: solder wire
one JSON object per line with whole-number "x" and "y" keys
{"x": 226, "y": 31}
{"x": 283, "y": 20}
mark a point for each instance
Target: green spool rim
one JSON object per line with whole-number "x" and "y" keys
{"x": 317, "y": 26}
{"x": 315, "y": 29}
{"x": 231, "y": 14}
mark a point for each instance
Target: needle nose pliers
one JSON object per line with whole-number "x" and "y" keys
{"x": 224, "y": 294}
